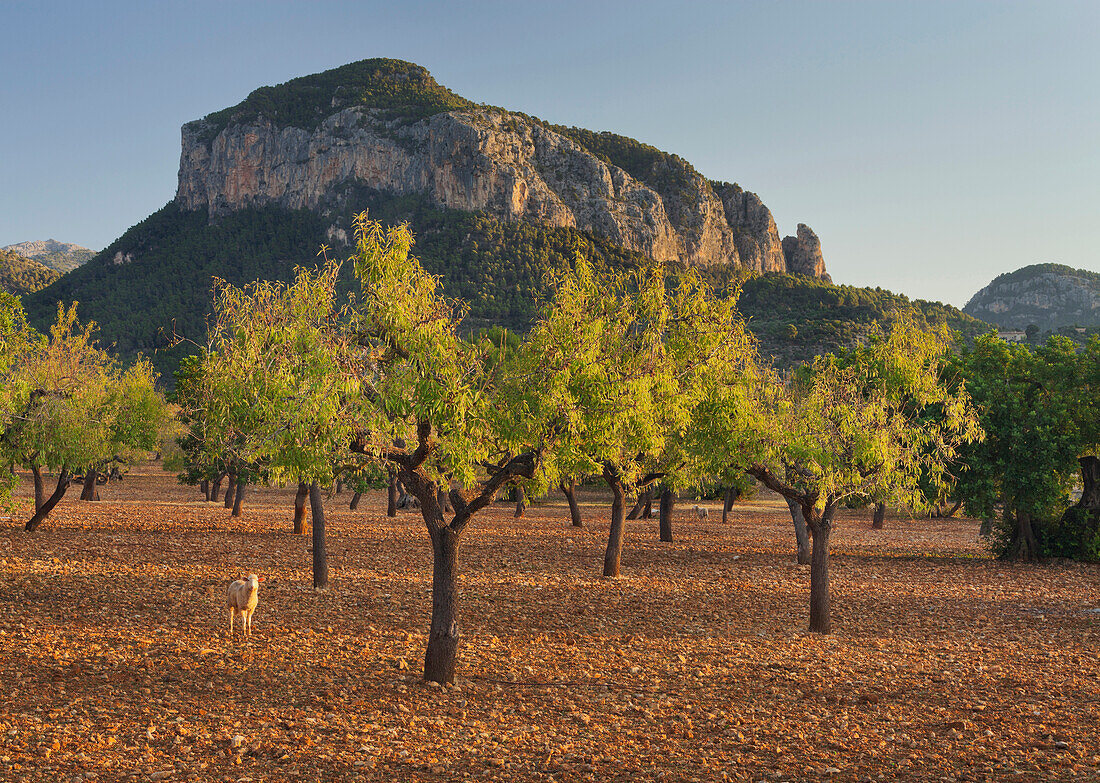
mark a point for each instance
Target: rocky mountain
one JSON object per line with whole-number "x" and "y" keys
{"x": 1046, "y": 295}
{"x": 62, "y": 256}
{"x": 388, "y": 126}
{"x": 20, "y": 275}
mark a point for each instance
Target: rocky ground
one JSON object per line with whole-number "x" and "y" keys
{"x": 694, "y": 666}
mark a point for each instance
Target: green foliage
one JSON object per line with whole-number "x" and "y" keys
{"x": 398, "y": 89}
{"x": 826, "y": 317}
{"x": 68, "y": 404}
{"x": 19, "y": 275}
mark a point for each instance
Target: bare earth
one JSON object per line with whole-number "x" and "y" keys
{"x": 695, "y": 666}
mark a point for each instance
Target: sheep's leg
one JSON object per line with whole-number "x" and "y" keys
{"x": 232, "y": 615}
{"x": 246, "y": 618}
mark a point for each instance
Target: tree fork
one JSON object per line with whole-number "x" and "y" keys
{"x": 44, "y": 511}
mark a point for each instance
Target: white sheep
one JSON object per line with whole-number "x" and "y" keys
{"x": 243, "y": 595}
{"x": 702, "y": 512}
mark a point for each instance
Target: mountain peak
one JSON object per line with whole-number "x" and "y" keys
{"x": 1048, "y": 295}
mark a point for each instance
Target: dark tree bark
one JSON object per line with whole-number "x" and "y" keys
{"x": 668, "y": 502}
{"x": 216, "y": 487}
{"x": 204, "y": 488}
{"x": 879, "y": 517}
{"x": 238, "y": 496}
{"x": 339, "y": 487}
{"x": 39, "y": 488}
{"x": 230, "y": 489}
{"x": 1024, "y": 544}
{"x": 89, "y": 491}
{"x": 731, "y": 497}
{"x": 645, "y": 500}
{"x": 570, "y": 492}
{"x": 801, "y": 534}
{"x": 391, "y": 496}
{"x": 300, "y": 498}
{"x": 821, "y": 527}
{"x": 1090, "y": 483}
{"x": 614, "y": 552}
{"x": 521, "y": 503}
{"x": 439, "y": 658}
{"x": 320, "y": 554}
{"x": 354, "y": 504}
{"x": 647, "y": 512}
{"x": 41, "y": 512}
{"x": 402, "y": 495}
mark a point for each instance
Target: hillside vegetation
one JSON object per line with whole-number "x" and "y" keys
{"x": 154, "y": 283}
{"x": 19, "y": 275}
{"x": 1050, "y": 296}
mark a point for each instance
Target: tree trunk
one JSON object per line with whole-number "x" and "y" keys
{"x": 238, "y": 496}
{"x": 570, "y": 492}
{"x": 354, "y": 504}
{"x": 89, "y": 491}
{"x": 521, "y": 503}
{"x": 204, "y": 488}
{"x": 216, "y": 487}
{"x": 1024, "y": 546}
{"x": 39, "y": 488}
{"x": 230, "y": 489}
{"x": 614, "y": 551}
{"x": 879, "y": 517}
{"x": 402, "y": 496}
{"x": 44, "y": 510}
{"x": 731, "y": 496}
{"x": 801, "y": 535}
{"x": 647, "y": 512}
{"x": 300, "y": 498}
{"x": 1090, "y": 482}
{"x": 668, "y": 501}
{"x": 645, "y": 497}
{"x": 320, "y": 555}
{"x": 439, "y": 658}
{"x": 820, "y": 529}
{"x": 443, "y": 500}
{"x": 391, "y": 497}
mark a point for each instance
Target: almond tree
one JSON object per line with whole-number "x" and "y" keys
{"x": 841, "y": 431}
{"x": 70, "y": 407}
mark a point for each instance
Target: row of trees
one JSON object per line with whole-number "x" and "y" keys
{"x": 67, "y": 406}
{"x": 633, "y": 377}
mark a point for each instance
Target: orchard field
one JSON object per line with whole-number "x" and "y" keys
{"x": 694, "y": 665}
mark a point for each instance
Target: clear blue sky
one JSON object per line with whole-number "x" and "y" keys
{"x": 931, "y": 145}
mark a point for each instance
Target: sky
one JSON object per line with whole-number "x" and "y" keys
{"x": 930, "y": 145}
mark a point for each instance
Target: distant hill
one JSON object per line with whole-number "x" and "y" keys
{"x": 20, "y": 275}
{"x": 62, "y": 256}
{"x": 1050, "y": 296}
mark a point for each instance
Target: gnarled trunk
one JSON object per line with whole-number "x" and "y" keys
{"x": 521, "y": 502}
{"x": 300, "y": 498}
{"x": 1025, "y": 544}
{"x": 570, "y": 492}
{"x": 668, "y": 501}
{"x": 89, "y": 491}
{"x": 204, "y": 488}
{"x": 320, "y": 554}
{"x": 238, "y": 496}
{"x": 879, "y": 516}
{"x": 216, "y": 487}
{"x": 645, "y": 497}
{"x": 1090, "y": 482}
{"x": 354, "y": 504}
{"x": 439, "y": 657}
{"x": 731, "y": 497}
{"x": 647, "y": 512}
{"x": 42, "y": 511}
{"x": 820, "y": 600}
{"x": 801, "y": 534}
{"x": 391, "y": 496}
{"x": 230, "y": 490}
{"x": 39, "y": 488}
{"x": 614, "y": 551}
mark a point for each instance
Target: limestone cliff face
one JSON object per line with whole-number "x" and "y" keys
{"x": 480, "y": 159}
{"x": 1047, "y": 295}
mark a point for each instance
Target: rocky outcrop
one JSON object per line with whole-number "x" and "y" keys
{"x": 478, "y": 159}
{"x": 803, "y": 254}
{"x": 62, "y": 256}
{"x": 1047, "y": 295}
